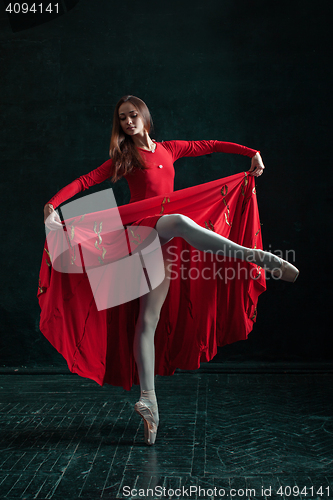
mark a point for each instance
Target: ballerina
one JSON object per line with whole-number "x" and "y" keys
{"x": 147, "y": 165}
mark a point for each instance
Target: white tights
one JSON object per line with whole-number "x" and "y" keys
{"x": 144, "y": 349}
{"x": 200, "y": 238}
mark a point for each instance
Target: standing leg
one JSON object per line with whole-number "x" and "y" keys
{"x": 144, "y": 353}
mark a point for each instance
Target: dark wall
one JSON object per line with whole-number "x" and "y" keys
{"x": 252, "y": 72}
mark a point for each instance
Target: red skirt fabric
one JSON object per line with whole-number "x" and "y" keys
{"x": 212, "y": 301}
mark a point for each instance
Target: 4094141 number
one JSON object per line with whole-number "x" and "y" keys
{"x": 35, "y": 8}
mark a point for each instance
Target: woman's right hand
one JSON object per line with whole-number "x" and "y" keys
{"x": 51, "y": 218}
{"x": 257, "y": 165}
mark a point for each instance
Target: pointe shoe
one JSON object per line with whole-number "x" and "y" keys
{"x": 286, "y": 272}
{"x": 150, "y": 426}
{"x": 282, "y": 270}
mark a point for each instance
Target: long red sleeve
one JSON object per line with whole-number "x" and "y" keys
{"x": 83, "y": 182}
{"x": 198, "y": 148}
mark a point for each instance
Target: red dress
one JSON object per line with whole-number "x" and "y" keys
{"x": 210, "y": 303}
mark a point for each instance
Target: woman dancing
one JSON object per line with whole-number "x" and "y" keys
{"x": 147, "y": 165}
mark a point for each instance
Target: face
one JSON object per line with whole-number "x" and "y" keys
{"x": 130, "y": 120}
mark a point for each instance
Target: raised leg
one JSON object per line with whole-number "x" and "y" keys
{"x": 203, "y": 239}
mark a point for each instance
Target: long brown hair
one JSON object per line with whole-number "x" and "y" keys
{"x": 126, "y": 157}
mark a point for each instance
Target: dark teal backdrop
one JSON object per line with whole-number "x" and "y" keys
{"x": 253, "y": 72}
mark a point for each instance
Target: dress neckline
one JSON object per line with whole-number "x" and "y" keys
{"x": 148, "y": 151}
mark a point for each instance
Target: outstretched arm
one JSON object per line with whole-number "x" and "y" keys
{"x": 100, "y": 174}
{"x": 180, "y": 149}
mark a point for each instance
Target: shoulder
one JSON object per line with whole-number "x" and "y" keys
{"x": 165, "y": 144}
{"x": 170, "y": 146}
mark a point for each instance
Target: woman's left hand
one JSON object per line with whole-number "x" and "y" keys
{"x": 257, "y": 165}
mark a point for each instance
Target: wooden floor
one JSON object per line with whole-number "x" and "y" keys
{"x": 221, "y": 436}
